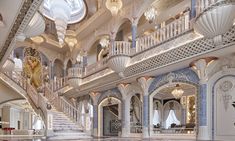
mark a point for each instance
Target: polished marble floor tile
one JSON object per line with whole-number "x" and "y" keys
{"x": 94, "y": 139}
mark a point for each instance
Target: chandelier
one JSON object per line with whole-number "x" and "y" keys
{"x": 177, "y": 92}
{"x": 150, "y": 14}
{"x": 63, "y": 12}
{"x": 114, "y": 6}
{"x": 104, "y": 42}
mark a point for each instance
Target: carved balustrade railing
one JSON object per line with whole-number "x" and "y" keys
{"x": 38, "y": 101}
{"x": 170, "y": 31}
{"x": 120, "y": 48}
{"x": 90, "y": 69}
{"x": 58, "y": 83}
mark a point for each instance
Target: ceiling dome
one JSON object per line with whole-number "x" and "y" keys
{"x": 77, "y": 10}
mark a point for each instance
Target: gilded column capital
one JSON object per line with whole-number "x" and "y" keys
{"x": 124, "y": 89}
{"x": 95, "y": 97}
{"x": 145, "y": 82}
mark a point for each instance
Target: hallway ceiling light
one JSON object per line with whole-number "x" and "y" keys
{"x": 104, "y": 42}
{"x": 177, "y": 92}
{"x": 64, "y": 12}
{"x": 150, "y": 14}
{"x": 114, "y": 6}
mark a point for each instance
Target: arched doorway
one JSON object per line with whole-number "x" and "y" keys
{"x": 109, "y": 117}
{"x": 172, "y": 114}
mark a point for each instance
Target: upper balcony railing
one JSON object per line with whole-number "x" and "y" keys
{"x": 170, "y": 31}
{"x": 204, "y": 4}
{"x": 75, "y": 72}
{"x": 58, "y": 83}
{"x": 120, "y": 48}
{"x": 90, "y": 69}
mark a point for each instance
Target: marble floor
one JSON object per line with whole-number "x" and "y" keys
{"x": 94, "y": 139}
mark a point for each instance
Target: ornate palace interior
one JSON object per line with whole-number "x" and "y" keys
{"x": 82, "y": 69}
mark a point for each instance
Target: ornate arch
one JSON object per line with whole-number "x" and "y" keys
{"x": 185, "y": 75}
{"x": 110, "y": 93}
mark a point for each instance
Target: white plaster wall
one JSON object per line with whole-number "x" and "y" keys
{"x": 7, "y": 93}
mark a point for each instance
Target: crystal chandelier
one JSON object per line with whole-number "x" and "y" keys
{"x": 104, "y": 42}
{"x": 63, "y": 12}
{"x": 177, "y": 92}
{"x": 150, "y": 14}
{"x": 114, "y": 6}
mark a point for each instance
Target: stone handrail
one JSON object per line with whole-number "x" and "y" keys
{"x": 204, "y": 4}
{"x": 75, "y": 72}
{"x": 33, "y": 97}
{"x": 101, "y": 64}
{"x": 170, "y": 31}
{"x": 58, "y": 83}
{"x": 37, "y": 101}
{"x": 120, "y": 48}
{"x": 62, "y": 105}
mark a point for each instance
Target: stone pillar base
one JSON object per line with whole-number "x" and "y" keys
{"x": 125, "y": 132}
{"x": 145, "y": 133}
{"x": 95, "y": 132}
{"x": 203, "y": 133}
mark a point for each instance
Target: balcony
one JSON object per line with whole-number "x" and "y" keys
{"x": 214, "y": 18}
{"x": 172, "y": 42}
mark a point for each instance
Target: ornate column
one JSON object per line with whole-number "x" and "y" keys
{"x": 134, "y": 31}
{"x": 193, "y": 9}
{"x": 124, "y": 89}
{"x": 95, "y": 97}
{"x": 112, "y": 38}
{"x": 145, "y": 83}
{"x": 202, "y": 68}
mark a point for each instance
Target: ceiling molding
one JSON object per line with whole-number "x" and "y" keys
{"x": 26, "y": 13}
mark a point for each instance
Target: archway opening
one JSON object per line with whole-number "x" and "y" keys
{"x": 173, "y": 109}
{"x": 109, "y": 116}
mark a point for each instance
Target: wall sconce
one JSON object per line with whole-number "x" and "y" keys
{"x": 1, "y": 21}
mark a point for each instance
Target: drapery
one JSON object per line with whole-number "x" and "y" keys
{"x": 156, "y": 117}
{"x": 171, "y": 119}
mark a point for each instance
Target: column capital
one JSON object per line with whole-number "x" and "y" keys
{"x": 95, "y": 97}
{"x": 124, "y": 89}
{"x": 112, "y": 35}
{"x": 134, "y": 21}
{"x": 145, "y": 82}
{"x": 202, "y": 67}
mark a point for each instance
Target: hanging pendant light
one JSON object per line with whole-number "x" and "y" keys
{"x": 177, "y": 92}
{"x": 150, "y": 14}
{"x": 114, "y": 6}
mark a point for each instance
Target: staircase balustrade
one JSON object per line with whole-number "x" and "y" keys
{"x": 204, "y": 4}
{"x": 59, "y": 83}
{"x": 170, "y": 31}
{"x": 37, "y": 101}
{"x": 120, "y": 48}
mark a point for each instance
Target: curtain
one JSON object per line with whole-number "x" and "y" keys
{"x": 171, "y": 119}
{"x": 156, "y": 117}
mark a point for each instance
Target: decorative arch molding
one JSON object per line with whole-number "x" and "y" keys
{"x": 185, "y": 75}
{"x": 10, "y": 100}
{"x": 118, "y": 24}
{"x": 212, "y": 82}
{"x": 110, "y": 93}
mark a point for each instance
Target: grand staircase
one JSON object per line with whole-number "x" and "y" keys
{"x": 66, "y": 118}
